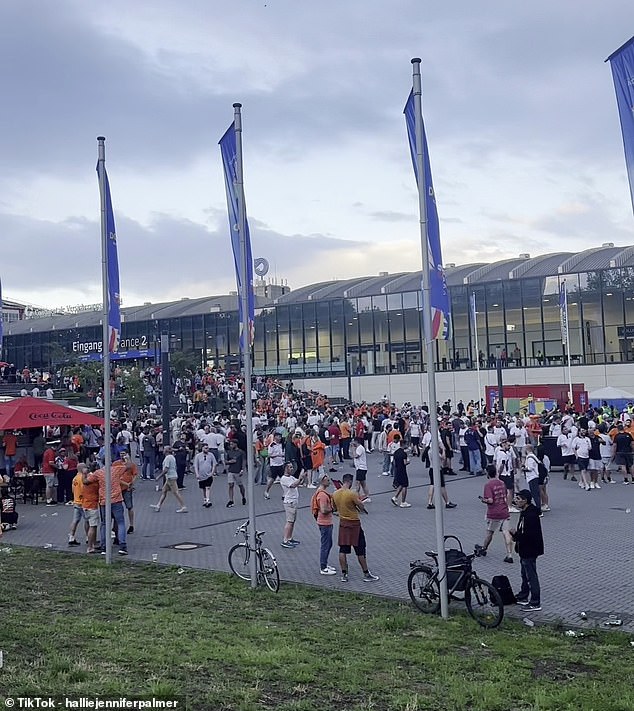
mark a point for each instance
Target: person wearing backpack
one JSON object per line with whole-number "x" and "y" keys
{"x": 321, "y": 506}
{"x": 531, "y": 473}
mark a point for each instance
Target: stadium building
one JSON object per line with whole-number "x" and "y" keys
{"x": 362, "y": 337}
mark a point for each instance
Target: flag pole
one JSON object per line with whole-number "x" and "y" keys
{"x": 429, "y": 342}
{"x": 101, "y": 141}
{"x": 475, "y": 328}
{"x": 570, "y": 400}
{"x": 246, "y": 339}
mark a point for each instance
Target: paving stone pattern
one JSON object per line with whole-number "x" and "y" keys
{"x": 586, "y": 567}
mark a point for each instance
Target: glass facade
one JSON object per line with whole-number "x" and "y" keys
{"x": 382, "y": 333}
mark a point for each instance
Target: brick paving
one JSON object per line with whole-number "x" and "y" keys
{"x": 588, "y": 538}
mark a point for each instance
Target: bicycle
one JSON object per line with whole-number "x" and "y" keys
{"x": 482, "y": 600}
{"x": 266, "y": 566}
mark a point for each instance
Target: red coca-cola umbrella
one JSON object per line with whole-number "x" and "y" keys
{"x": 25, "y": 412}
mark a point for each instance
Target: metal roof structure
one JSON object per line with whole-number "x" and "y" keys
{"x": 523, "y": 267}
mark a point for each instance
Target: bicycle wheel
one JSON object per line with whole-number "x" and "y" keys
{"x": 422, "y": 586}
{"x": 268, "y": 570}
{"x": 239, "y": 561}
{"x": 484, "y": 603}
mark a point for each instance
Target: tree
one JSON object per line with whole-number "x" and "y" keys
{"x": 133, "y": 389}
{"x": 184, "y": 362}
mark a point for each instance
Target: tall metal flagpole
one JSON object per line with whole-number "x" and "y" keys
{"x": 570, "y": 400}
{"x": 246, "y": 340}
{"x": 477, "y": 349}
{"x": 431, "y": 372}
{"x": 101, "y": 141}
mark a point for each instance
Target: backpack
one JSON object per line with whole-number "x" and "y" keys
{"x": 542, "y": 471}
{"x": 503, "y": 585}
{"x": 314, "y": 504}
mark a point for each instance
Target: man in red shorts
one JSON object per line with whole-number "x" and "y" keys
{"x": 348, "y": 504}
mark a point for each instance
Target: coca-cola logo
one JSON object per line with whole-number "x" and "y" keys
{"x": 49, "y": 416}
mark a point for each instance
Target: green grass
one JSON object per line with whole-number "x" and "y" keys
{"x": 70, "y": 625}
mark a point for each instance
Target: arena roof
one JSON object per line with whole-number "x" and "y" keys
{"x": 523, "y": 267}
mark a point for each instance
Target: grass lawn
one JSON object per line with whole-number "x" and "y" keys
{"x": 72, "y": 626}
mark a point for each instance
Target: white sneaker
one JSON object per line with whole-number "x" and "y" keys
{"x": 512, "y": 509}
{"x": 405, "y": 505}
{"x": 366, "y": 501}
{"x": 596, "y": 485}
{"x": 329, "y": 567}
{"x": 592, "y": 486}
{"x": 267, "y": 495}
{"x": 581, "y": 485}
{"x": 328, "y": 571}
{"x": 587, "y": 487}
{"x": 183, "y": 509}
{"x": 385, "y": 474}
{"x": 156, "y": 507}
{"x": 546, "y": 508}
{"x": 311, "y": 486}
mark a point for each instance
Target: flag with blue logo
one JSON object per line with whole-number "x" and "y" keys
{"x": 229, "y": 153}
{"x": 622, "y": 65}
{"x": 440, "y": 300}
{"x": 474, "y": 313}
{"x": 112, "y": 262}
{"x": 563, "y": 311}
{"x": 1, "y": 322}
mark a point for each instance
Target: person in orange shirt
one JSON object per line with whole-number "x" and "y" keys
{"x": 77, "y": 441}
{"x": 90, "y": 504}
{"x": 317, "y": 457}
{"x": 128, "y": 474}
{"x": 346, "y": 437}
{"x": 116, "y": 506}
{"x": 10, "y": 444}
{"x": 78, "y": 507}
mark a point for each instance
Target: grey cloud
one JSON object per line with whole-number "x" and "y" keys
{"x": 168, "y": 259}
{"x": 392, "y": 216}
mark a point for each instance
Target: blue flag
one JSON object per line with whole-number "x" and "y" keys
{"x": 112, "y": 262}
{"x": 440, "y": 301}
{"x": 622, "y": 64}
{"x": 1, "y": 321}
{"x": 229, "y": 153}
{"x": 563, "y": 311}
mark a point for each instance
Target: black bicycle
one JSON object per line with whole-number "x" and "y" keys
{"x": 483, "y": 601}
{"x": 265, "y": 563}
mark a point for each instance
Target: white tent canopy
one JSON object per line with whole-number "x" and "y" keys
{"x": 610, "y": 393}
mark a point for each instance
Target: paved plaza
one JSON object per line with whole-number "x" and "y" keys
{"x": 587, "y": 535}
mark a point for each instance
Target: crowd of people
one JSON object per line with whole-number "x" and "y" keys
{"x": 300, "y": 441}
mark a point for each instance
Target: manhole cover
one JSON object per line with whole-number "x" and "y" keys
{"x": 187, "y": 546}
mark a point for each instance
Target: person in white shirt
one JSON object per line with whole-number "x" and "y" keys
{"x": 505, "y": 466}
{"x": 606, "y": 448}
{"x": 491, "y": 441}
{"x": 204, "y": 468}
{"x": 518, "y": 431}
{"x": 581, "y": 447}
{"x": 564, "y": 442}
{"x": 290, "y": 491}
{"x": 531, "y": 471}
{"x": 49, "y": 393}
{"x": 360, "y": 460}
{"x": 35, "y": 392}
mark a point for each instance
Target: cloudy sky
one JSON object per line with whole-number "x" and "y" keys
{"x": 519, "y": 110}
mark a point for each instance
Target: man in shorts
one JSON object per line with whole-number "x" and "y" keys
{"x": 277, "y": 457}
{"x": 359, "y": 455}
{"x": 289, "y": 484}
{"x": 90, "y": 504}
{"x": 205, "y": 465}
{"x": 504, "y": 462}
{"x": 623, "y": 453}
{"x": 235, "y": 461}
{"x": 170, "y": 482}
{"x": 497, "y": 515}
{"x": 348, "y": 504}
{"x": 128, "y": 474}
{"x": 78, "y": 509}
